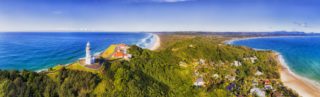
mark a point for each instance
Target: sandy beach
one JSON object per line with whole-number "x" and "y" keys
{"x": 156, "y": 45}
{"x": 303, "y": 87}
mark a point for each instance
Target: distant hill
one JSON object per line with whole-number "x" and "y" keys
{"x": 245, "y": 34}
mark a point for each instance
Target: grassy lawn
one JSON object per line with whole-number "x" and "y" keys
{"x": 53, "y": 73}
{"x": 78, "y": 66}
{"x": 107, "y": 53}
{"x": 58, "y": 67}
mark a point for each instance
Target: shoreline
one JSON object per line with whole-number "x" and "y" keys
{"x": 230, "y": 41}
{"x": 156, "y": 44}
{"x": 303, "y": 86}
{"x": 154, "y": 47}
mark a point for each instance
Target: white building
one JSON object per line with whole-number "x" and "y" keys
{"x": 215, "y": 76}
{"x": 252, "y": 59}
{"x": 237, "y": 63}
{"x": 258, "y": 92}
{"x": 230, "y": 78}
{"x": 258, "y": 73}
{"x": 199, "y": 82}
{"x": 202, "y": 61}
{"x": 89, "y": 58}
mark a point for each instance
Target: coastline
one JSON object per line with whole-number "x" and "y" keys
{"x": 154, "y": 47}
{"x": 156, "y": 44}
{"x": 230, "y": 41}
{"x": 303, "y": 86}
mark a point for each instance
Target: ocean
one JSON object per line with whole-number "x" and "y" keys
{"x": 38, "y": 51}
{"x": 301, "y": 54}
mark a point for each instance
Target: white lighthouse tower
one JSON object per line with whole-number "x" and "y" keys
{"x": 89, "y": 57}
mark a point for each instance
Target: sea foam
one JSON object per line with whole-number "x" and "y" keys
{"x": 147, "y": 42}
{"x": 298, "y": 54}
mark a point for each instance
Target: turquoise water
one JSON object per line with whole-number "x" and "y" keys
{"x": 36, "y": 51}
{"x": 301, "y": 54}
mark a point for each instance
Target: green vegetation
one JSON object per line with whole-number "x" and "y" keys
{"x": 77, "y": 66}
{"x": 108, "y": 52}
{"x": 168, "y": 72}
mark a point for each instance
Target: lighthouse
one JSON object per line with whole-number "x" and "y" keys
{"x": 89, "y": 57}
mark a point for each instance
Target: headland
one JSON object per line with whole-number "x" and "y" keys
{"x": 187, "y": 65}
{"x": 303, "y": 86}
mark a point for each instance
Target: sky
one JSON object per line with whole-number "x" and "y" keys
{"x": 160, "y": 15}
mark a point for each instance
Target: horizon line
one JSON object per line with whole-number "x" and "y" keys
{"x": 153, "y": 31}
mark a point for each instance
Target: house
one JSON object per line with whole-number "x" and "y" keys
{"x": 258, "y": 73}
{"x": 127, "y": 56}
{"x": 199, "y": 82}
{"x": 215, "y": 76}
{"x": 258, "y": 92}
{"x": 202, "y": 61}
{"x": 268, "y": 87}
{"x": 230, "y": 78}
{"x": 267, "y": 84}
{"x": 118, "y": 54}
{"x": 251, "y": 59}
{"x": 123, "y": 46}
{"x": 121, "y": 52}
{"x": 236, "y": 63}
{"x": 231, "y": 86}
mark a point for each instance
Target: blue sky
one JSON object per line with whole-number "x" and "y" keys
{"x": 160, "y": 15}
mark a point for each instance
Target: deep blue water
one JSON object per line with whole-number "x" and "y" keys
{"x": 302, "y": 54}
{"x": 36, "y": 51}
